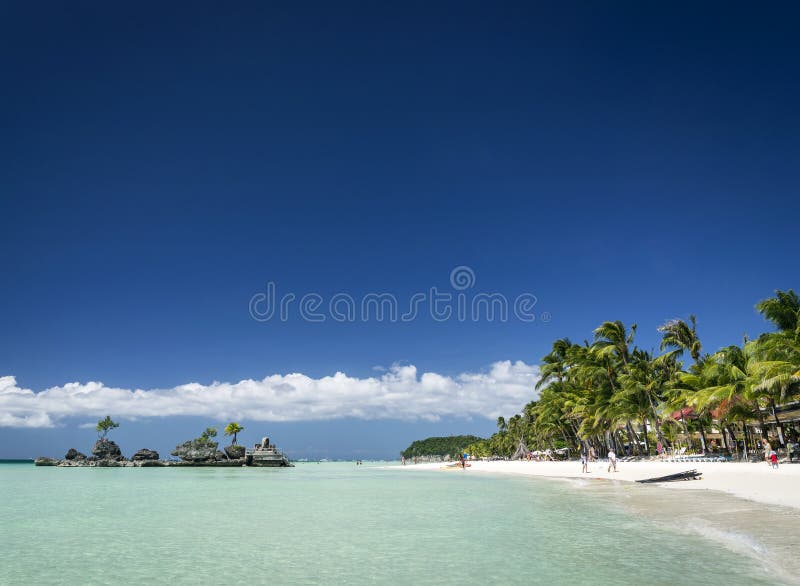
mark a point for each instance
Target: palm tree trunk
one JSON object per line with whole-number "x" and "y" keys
{"x": 655, "y": 419}
{"x": 762, "y": 424}
{"x": 644, "y": 427}
{"x": 633, "y": 436}
{"x": 575, "y": 431}
{"x": 746, "y": 437}
{"x": 778, "y": 424}
{"x": 729, "y": 427}
{"x": 702, "y": 435}
{"x": 620, "y": 444}
{"x": 610, "y": 442}
{"x": 686, "y": 431}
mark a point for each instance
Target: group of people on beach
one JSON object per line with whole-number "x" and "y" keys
{"x": 589, "y": 456}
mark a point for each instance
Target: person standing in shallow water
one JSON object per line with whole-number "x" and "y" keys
{"x": 612, "y": 461}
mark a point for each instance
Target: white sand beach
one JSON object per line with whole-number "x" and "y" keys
{"x": 755, "y": 481}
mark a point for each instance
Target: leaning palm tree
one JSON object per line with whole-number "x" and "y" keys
{"x": 554, "y": 365}
{"x": 681, "y": 337}
{"x": 233, "y": 429}
{"x": 733, "y": 374}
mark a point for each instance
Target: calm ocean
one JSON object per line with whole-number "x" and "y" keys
{"x": 336, "y": 523}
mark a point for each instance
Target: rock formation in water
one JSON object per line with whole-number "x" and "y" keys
{"x": 106, "y": 450}
{"x": 144, "y": 454}
{"x": 234, "y": 452}
{"x": 44, "y": 461}
{"x": 201, "y": 451}
{"x": 196, "y": 450}
{"x": 74, "y": 455}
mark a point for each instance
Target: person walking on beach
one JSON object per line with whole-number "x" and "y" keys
{"x": 612, "y": 461}
{"x": 790, "y": 447}
{"x": 584, "y": 461}
{"x": 767, "y": 450}
{"x": 773, "y": 457}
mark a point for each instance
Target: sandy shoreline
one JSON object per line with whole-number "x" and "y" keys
{"x": 755, "y": 482}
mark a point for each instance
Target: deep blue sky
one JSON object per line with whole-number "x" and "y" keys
{"x": 161, "y": 163}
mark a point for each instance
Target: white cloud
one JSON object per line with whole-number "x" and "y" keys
{"x": 398, "y": 393}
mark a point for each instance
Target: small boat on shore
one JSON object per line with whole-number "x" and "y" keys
{"x": 688, "y": 475}
{"x": 267, "y": 455}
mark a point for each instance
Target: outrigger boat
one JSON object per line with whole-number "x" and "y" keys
{"x": 266, "y": 454}
{"x": 688, "y": 475}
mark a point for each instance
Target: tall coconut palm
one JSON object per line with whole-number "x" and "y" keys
{"x": 613, "y": 345}
{"x": 612, "y": 339}
{"x": 554, "y": 364}
{"x": 733, "y": 373}
{"x": 775, "y": 364}
{"x": 682, "y": 337}
{"x": 682, "y": 388}
{"x": 501, "y": 424}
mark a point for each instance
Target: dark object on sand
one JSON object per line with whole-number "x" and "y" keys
{"x": 688, "y": 475}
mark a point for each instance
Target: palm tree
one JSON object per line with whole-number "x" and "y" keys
{"x": 613, "y": 348}
{"x": 554, "y": 365}
{"x": 233, "y": 429}
{"x": 680, "y": 336}
{"x": 783, "y": 310}
{"x": 776, "y": 365}
{"x": 682, "y": 388}
{"x": 501, "y": 424}
{"x": 611, "y": 338}
{"x": 732, "y": 375}
{"x": 592, "y": 393}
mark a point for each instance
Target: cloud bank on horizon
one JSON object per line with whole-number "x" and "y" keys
{"x": 399, "y": 393}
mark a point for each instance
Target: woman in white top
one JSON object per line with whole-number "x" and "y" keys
{"x": 612, "y": 461}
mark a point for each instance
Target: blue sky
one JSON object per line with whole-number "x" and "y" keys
{"x": 161, "y": 166}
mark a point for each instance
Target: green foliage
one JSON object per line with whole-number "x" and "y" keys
{"x": 206, "y": 436}
{"x": 106, "y": 425}
{"x": 680, "y": 336}
{"x": 233, "y": 429}
{"x": 783, "y": 310}
{"x": 610, "y": 394}
{"x": 440, "y": 446}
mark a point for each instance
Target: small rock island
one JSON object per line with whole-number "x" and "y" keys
{"x": 201, "y": 451}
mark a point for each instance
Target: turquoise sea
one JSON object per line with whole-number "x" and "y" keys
{"x": 338, "y": 523}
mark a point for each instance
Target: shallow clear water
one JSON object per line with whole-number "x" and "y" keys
{"x": 336, "y": 523}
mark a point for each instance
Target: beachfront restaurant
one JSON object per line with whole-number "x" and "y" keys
{"x": 743, "y": 439}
